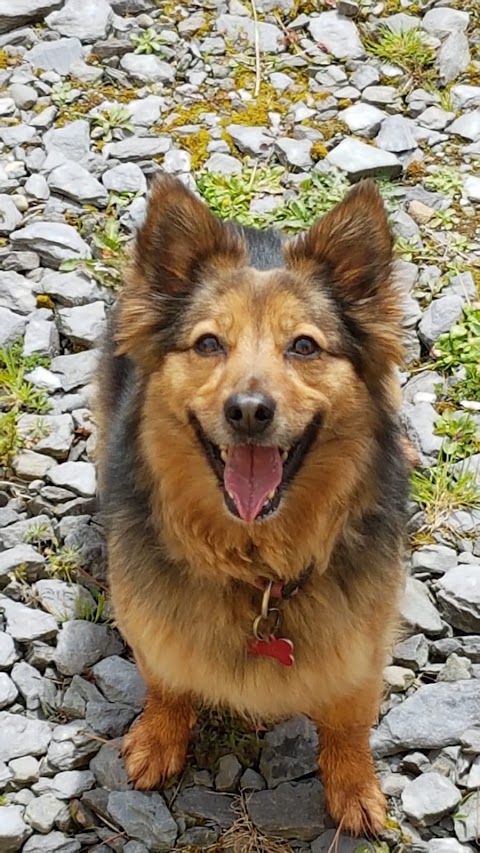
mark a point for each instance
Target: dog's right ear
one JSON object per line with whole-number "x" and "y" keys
{"x": 179, "y": 238}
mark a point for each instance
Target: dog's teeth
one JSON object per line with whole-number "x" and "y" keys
{"x": 230, "y": 496}
{"x": 223, "y": 455}
{"x": 284, "y": 455}
{"x": 271, "y": 495}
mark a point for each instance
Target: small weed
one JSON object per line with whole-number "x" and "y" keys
{"x": 406, "y": 49}
{"x": 64, "y": 94}
{"x": 440, "y": 492}
{"x": 149, "y": 41}
{"x": 220, "y": 733}
{"x": 229, "y": 197}
{"x": 461, "y": 434}
{"x": 104, "y": 123}
{"x": 63, "y": 563}
{"x": 15, "y": 392}
{"x": 38, "y": 533}
{"x": 446, "y": 181}
{"x": 93, "y": 614}
{"x": 461, "y": 345}
{"x": 444, "y": 219}
{"x": 3, "y": 800}
{"x": 10, "y": 439}
{"x": 109, "y": 265}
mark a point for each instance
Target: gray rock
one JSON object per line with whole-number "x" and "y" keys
{"x": 73, "y": 141}
{"x": 10, "y": 218}
{"x": 430, "y": 797}
{"x": 55, "y": 242}
{"x": 36, "y": 187}
{"x": 84, "y": 324}
{"x": 29, "y": 683}
{"x": 29, "y": 465}
{"x": 467, "y": 126}
{"x": 433, "y": 717}
{"x": 20, "y": 555}
{"x": 144, "y": 817}
{"x": 25, "y": 770}
{"x": 75, "y": 699}
{"x": 239, "y": 28}
{"x": 57, "y": 56}
{"x": 147, "y": 68}
{"x": 109, "y": 719}
{"x": 79, "y": 477}
{"x": 363, "y": 119}
{"x": 75, "y": 182}
{"x": 439, "y": 317}
{"x": 63, "y": 600}
{"x": 337, "y": 34}
{"x": 470, "y": 741}
{"x": 51, "y": 434}
{"x": 177, "y": 161}
{"x": 292, "y": 810}
{"x": 419, "y": 420}
{"x": 12, "y": 327}
{"x": 290, "y": 751}
{"x": 137, "y": 148}
{"x": 381, "y": 96}
{"x": 109, "y": 768}
{"x": 40, "y": 377}
{"x": 250, "y": 140}
{"x": 75, "y": 370}
{"x": 396, "y": 135}
{"x": 81, "y": 644}
{"x": 398, "y": 678}
{"x": 252, "y": 781}
{"x": 456, "y": 668}
{"x": 470, "y": 465}
{"x": 465, "y": 97}
{"x": 434, "y": 559}
{"x": 78, "y": 21}
{"x": 13, "y": 829}
{"x": 442, "y": 21}
{"x": 23, "y": 736}
{"x": 127, "y": 177}
{"x": 120, "y": 681}
{"x": 8, "y": 654}
{"x": 43, "y": 811}
{"x": 17, "y": 135}
{"x": 364, "y": 76}
{"x": 228, "y": 774}
{"x": 66, "y": 784}
{"x": 54, "y": 842}
{"x": 453, "y": 57}
{"x": 146, "y": 111}
{"x": 8, "y": 691}
{"x": 435, "y": 118}
{"x": 202, "y": 804}
{"x": 467, "y": 820}
{"x": 71, "y": 746}
{"x": 24, "y": 12}
{"x": 223, "y": 164}
{"x": 294, "y": 152}
{"x": 40, "y": 527}
{"x": 25, "y": 624}
{"x": 343, "y": 843}
{"x": 418, "y": 611}
{"x": 41, "y": 336}
{"x": 459, "y": 597}
{"x": 16, "y": 293}
{"x": 359, "y": 160}
{"x": 69, "y": 288}
{"x": 412, "y": 652}
{"x": 472, "y": 188}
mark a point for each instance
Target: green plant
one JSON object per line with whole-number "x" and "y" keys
{"x": 97, "y": 613}
{"x": 147, "y": 42}
{"x": 37, "y": 533}
{"x": 63, "y": 563}
{"x": 461, "y": 434}
{"x": 229, "y": 196}
{"x": 10, "y": 439}
{"x": 63, "y": 94}
{"x": 105, "y": 122}
{"x": 448, "y": 181}
{"x": 407, "y": 49}
{"x": 461, "y": 345}
{"x": 108, "y": 268}
{"x": 439, "y": 491}
{"x": 444, "y": 219}
{"x": 15, "y": 392}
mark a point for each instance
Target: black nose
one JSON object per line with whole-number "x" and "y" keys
{"x": 249, "y": 414}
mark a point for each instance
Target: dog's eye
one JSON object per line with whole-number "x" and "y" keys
{"x": 304, "y": 347}
{"x": 208, "y": 345}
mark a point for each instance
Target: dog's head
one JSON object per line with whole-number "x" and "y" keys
{"x": 263, "y": 353}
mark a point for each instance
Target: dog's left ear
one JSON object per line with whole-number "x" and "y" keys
{"x": 349, "y": 250}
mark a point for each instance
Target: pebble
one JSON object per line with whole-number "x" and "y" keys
{"x": 81, "y": 644}
{"x": 427, "y": 799}
{"x": 145, "y": 817}
{"x": 359, "y": 160}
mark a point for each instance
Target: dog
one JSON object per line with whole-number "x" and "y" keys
{"x": 253, "y": 480}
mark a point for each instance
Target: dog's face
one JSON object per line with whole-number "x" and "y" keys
{"x": 263, "y": 354}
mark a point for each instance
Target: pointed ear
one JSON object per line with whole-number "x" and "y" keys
{"x": 179, "y": 239}
{"x": 349, "y": 252}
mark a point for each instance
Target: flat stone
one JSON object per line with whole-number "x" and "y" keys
{"x": 359, "y": 160}
{"x": 343, "y": 843}
{"x": 420, "y": 422}
{"x": 69, "y": 288}
{"x": 66, "y": 784}
{"x": 240, "y": 28}
{"x": 223, "y": 164}
{"x": 418, "y": 610}
{"x": 73, "y": 181}
{"x": 147, "y": 68}
{"x": 109, "y": 719}
{"x": 472, "y": 188}
{"x": 8, "y": 691}
{"x": 73, "y": 141}
{"x": 19, "y": 532}
{"x": 50, "y": 434}
{"x": 24, "y": 12}
{"x": 63, "y": 600}
{"x": 467, "y": 820}
{"x": 84, "y": 324}
{"x": 8, "y": 654}
{"x": 380, "y": 96}
{"x": 29, "y": 465}
{"x": 71, "y": 746}
{"x": 337, "y": 34}
{"x": 77, "y": 369}
{"x": 36, "y": 187}
{"x": 464, "y": 97}
{"x": 441, "y": 21}
{"x": 85, "y": 22}
{"x": 363, "y": 119}
{"x": 41, "y": 336}
{"x": 79, "y": 477}
{"x": 228, "y": 774}
{"x": 201, "y": 804}
{"x": 120, "y": 681}
{"x": 396, "y": 135}
{"x": 439, "y": 317}
{"x": 43, "y": 811}
{"x": 137, "y": 148}
{"x": 459, "y": 597}
{"x": 10, "y": 218}
{"x": 453, "y": 57}
{"x": 81, "y": 644}
{"x": 292, "y": 810}
{"x": 294, "y": 152}
{"x": 412, "y": 652}
{"x": 290, "y": 751}
{"x": 30, "y": 684}
{"x": 23, "y": 736}
{"x": 108, "y": 767}
{"x": 429, "y": 798}
{"x": 57, "y": 56}
{"x": 26, "y": 624}
{"x": 54, "y": 842}
{"x": 145, "y": 112}
{"x": 470, "y": 741}
{"x": 13, "y": 829}
{"x": 467, "y": 126}
{"x": 250, "y": 140}
{"x": 144, "y": 817}
{"x": 456, "y": 668}
{"x": 436, "y": 715}
{"x": 127, "y": 177}
{"x": 435, "y": 559}
{"x": 55, "y": 242}
{"x": 398, "y": 678}
{"x": 24, "y": 556}
{"x": 12, "y": 327}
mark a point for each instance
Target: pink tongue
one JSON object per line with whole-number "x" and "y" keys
{"x": 251, "y": 473}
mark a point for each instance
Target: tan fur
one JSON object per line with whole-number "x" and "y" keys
{"x": 189, "y": 627}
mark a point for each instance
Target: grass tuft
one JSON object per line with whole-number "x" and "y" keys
{"x": 406, "y": 49}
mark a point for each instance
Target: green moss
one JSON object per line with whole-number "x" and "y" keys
{"x": 318, "y": 151}
{"x": 196, "y": 143}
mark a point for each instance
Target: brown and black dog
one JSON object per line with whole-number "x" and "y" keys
{"x": 249, "y": 448}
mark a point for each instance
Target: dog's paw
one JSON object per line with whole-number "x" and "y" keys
{"x": 149, "y": 758}
{"x": 360, "y": 809}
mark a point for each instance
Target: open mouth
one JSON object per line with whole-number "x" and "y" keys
{"x": 254, "y": 477}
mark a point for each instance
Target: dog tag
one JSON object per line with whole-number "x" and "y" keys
{"x": 277, "y": 647}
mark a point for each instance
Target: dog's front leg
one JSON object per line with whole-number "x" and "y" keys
{"x": 156, "y": 746}
{"x": 353, "y": 795}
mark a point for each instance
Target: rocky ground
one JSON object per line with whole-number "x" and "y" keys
{"x": 269, "y": 109}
